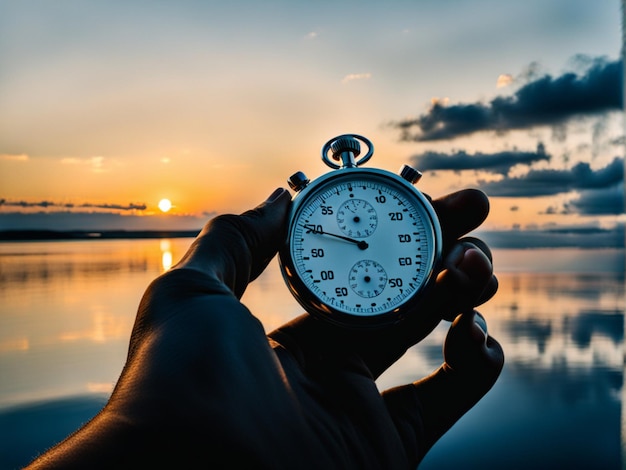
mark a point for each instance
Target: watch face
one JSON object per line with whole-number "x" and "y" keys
{"x": 362, "y": 245}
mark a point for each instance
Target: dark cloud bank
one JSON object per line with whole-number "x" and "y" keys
{"x": 601, "y": 191}
{"x": 569, "y": 237}
{"x": 46, "y": 204}
{"x": 546, "y": 101}
{"x": 93, "y": 217}
{"x": 499, "y": 162}
{"x": 99, "y": 221}
{"x": 548, "y": 182}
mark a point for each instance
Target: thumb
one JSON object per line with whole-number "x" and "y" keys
{"x": 264, "y": 229}
{"x": 237, "y": 248}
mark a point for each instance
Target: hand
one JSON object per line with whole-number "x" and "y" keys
{"x": 204, "y": 384}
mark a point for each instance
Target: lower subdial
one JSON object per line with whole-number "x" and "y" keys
{"x": 368, "y": 278}
{"x": 357, "y": 218}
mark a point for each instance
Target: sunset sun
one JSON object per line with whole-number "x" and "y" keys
{"x": 165, "y": 205}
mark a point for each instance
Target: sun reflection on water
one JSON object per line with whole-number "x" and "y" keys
{"x": 167, "y": 258}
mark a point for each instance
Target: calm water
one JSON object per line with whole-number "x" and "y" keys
{"x": 67, "y": 308}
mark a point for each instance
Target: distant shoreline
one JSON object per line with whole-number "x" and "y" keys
{"x": 506, "y": 239}
{"x": 43, "y": 235}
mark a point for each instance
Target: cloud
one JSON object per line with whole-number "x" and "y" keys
{"x": 356, "y": 76}
{"x": 504, "y": 80}
{"x": 588, "y": 236}
{"x": 544, "y": 101}
{"x": 609, "y": 201}
{"x": 619, "y": 141}
{"x": 98, "y": 221}
{"x": 46, "y": 204}
{"x": 98, "y": 164}
{"x": 548, "y": 182}
{"x": 500, "y": 162}
{"x": 14, "y": 157}
{"x": 128, "y": 207}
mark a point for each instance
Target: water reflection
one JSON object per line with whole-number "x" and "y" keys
{"x": 67, "y": 308}
{"x": 558, "y": 402}
{"x": 563, "y": 322}
{"x": 66, "y": 311}
{"x": 166, "y": 254}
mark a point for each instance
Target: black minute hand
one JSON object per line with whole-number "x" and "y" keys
{"x": 362, "y": 244}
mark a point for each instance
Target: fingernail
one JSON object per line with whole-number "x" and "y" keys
{"x": 480, "y": 322}
{"x": 457, "y": 254}
{"x": 276, "y": 194}
{"x": 475, "y": 264}
{"x": 476, "y": 324}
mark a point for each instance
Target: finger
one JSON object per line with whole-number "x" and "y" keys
{"x": 492, "y": 286}
{"x": 466, "y": 280}
{"x": 425, "y": 410}
{"x": 467, "y": 274}
{"x": 236, "y": 248}
{"x": 266, "y": 229}
{"x": 313, "y": 340}
{"x": 481, "y": 245}
{"x": 460, "y": 213}
{"x": 469, "y": 350}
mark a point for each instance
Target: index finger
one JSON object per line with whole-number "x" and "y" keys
{"x": 460, "y": 213}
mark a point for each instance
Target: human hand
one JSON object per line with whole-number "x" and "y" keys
{"x": 203, "y": 382}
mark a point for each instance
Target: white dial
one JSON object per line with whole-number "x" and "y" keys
{"x": 361, "y": 243}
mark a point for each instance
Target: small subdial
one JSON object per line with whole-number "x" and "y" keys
{"x": 357, "y": 218}
{"x": 368, "y": 278}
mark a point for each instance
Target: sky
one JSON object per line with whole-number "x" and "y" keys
{"x": 108, "y": 107}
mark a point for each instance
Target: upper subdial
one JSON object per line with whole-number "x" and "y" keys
{"x": 357, "y": 218}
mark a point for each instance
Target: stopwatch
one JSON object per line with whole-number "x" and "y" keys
{"x": 363, "y": 245}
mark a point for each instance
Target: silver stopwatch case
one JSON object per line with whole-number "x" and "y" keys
{"x": 363, "y": 244}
